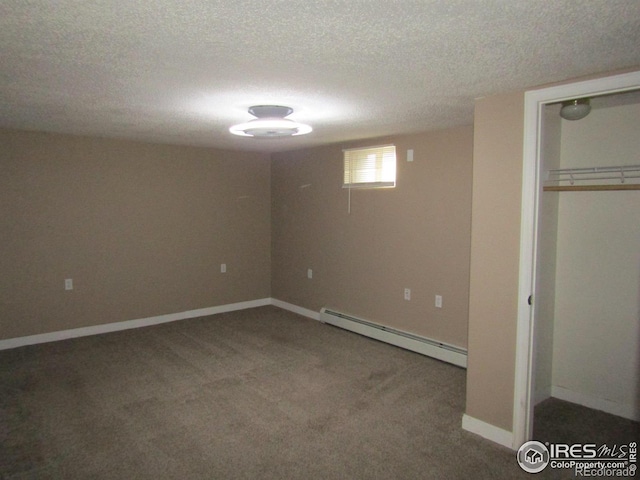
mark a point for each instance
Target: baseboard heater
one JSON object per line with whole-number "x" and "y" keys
{"x": 425, "y": 346}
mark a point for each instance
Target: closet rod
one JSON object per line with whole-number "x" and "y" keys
{"x": 591, "y": 188}
{"x": 592, "y": 170}
{"x": 620, "y": 178}
{"x": 571, "y": 175}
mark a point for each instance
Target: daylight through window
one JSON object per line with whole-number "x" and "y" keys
{"x": 370, "y": 167}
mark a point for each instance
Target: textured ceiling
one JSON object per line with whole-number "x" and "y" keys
{"x": 183, "y": 71}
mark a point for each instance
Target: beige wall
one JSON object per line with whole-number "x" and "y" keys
{"x": 413, "y": 236}
{"x": 495, "y": 245}
{"x": 142, "y": 229}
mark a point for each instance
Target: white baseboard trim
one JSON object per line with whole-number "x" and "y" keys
{"x": 295, "y": 309}
{"x": 128, "y": 324}
{"x": 488, "y": 431}
{"x": 541, "y": 395}
{"x": 632, "y": 412}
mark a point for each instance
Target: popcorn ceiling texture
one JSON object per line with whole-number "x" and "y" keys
{"x": 182, "y": 72}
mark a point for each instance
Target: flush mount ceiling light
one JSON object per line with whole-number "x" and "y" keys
{"x": 575, "y": 109}
{"x": 270, "y": 123}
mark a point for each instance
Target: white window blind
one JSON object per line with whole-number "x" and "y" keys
{"x": 371, "y": 167}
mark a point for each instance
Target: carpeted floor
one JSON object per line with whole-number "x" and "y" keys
{"x": 256, "y": 394}
{"x": 563, "y": 422}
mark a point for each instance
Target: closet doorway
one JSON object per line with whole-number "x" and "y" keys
{"x": 587, "y": 324}
{"x": 536, "y": 254}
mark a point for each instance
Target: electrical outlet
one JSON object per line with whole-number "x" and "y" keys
{"x": 68, "y": 284}
{"x": 223, "y": 268}
{"x": 309, "y": 273}
{"x": 438, "y": 301}
{"x": 407, "y": 294}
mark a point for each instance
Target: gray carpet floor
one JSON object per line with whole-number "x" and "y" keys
{"x": 563, "y": 422}
{"x": 255, "y": 394}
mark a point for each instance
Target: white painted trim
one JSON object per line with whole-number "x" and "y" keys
{"x": 631, "y": 412}
{"x": 488, "y": 431}
{"x": 295, "y": 309}
{"x": 522, "y": 412}
{"x": 534, "y": 101}
{"x": 128, "y": 324}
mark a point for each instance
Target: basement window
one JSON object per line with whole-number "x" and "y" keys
{"x": 370, "y": 167}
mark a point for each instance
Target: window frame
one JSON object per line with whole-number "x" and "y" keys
{"x": 355, "y": 162}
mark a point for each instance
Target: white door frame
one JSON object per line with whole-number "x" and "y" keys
{"x": 534, "y": 101}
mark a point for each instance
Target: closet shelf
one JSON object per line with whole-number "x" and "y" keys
{"x": 591, "y": 188}
{"x": 556, "y": 179}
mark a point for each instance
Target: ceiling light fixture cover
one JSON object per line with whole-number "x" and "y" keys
{"x": 270, "y": 123}
{"x": 575, "y": 109}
